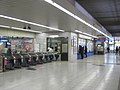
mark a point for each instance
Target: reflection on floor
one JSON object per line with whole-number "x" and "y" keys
{"x": 93, "y": 73}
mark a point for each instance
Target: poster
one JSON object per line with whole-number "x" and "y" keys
{"x": 74, "y": 45}
{"x": 64, "y": 48}
{"x": 22, "y": 44}
{"x": 72, "y": 42}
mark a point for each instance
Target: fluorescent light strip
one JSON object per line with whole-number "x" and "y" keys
{"x": 74, "y": 16}
{"x": 27, "y": 30}
{"x": 53, "y": 36}
{"x": 32, "y": 23}
{"x": 3, "y": 26}
{"x": 90, "y": 35}
{"x": 21, "y": 29}
{"x": 86, "y": 34}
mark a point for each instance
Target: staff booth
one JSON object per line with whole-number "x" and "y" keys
{"x": 60, "y": 45}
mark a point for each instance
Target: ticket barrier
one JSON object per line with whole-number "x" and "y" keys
{"x": 56, "y": 56}
{"x": 33, "y": 58}
{"x": 45, "y": 58}
{"x": 25, "y": 60}
{"x": 39, "y": 58}
{"x": 51, "y": 56}
{"x": 17, "y": 60}
{"x": 8, "y": 62}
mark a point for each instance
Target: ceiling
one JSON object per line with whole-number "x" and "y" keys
{"x": 35, "y": 11}
{"x": 106, "y": 12}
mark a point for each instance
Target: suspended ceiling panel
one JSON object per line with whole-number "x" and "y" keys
{"x": 40, "y": 12}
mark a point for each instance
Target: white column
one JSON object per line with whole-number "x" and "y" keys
{"x": 40, "y": 42}
{"x": 72, "y": 45}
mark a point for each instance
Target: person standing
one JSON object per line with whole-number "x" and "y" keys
{"x": 117, "y": 50}
{"x": 85, "y": 51}
{"x": 81, "y": 51}
{"x": 108, "y": 49}
{"x": 56, "y": 47}
{"x": 10, "y": 57}
{"x": 9, "y": 52}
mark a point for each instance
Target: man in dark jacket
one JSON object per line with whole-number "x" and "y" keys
{"x": 85, "y": 51}
{"x": 81, "y": 51}
{"x": 108, "y": 49}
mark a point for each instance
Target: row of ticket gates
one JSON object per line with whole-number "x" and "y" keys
{"x": 27, "y": 59}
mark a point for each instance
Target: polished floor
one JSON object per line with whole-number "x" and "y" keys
{"x": 93, "y": 73}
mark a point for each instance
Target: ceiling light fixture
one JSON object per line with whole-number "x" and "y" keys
{"x": 54, "y": 36}
{"x": 27, "y": 30}
{"x": 32, "y": 23}
{"x": 3, "y": 26}
{"x": 86, "y": 34}
{"x": 74, "y": 16}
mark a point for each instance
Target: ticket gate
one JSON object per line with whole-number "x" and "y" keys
{"x": 17, "y": 60}
{"x": 25, "y": 60}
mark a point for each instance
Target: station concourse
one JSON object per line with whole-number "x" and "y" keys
{"x": 59, "y": 45}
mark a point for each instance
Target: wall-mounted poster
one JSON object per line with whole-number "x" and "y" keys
{"x": 22, "y": 44}
{"x": 64, "y": 48}
{"x": 74, "y": 45}
{"x": 28, "y": 45}
{"x": 72, "y": 42}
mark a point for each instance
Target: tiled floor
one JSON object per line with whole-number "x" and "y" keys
{"x": 94, "y": 73}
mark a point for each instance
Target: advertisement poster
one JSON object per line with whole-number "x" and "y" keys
{"x": 72, "y": 42}
{"x": 22, "y": 44}
{"x": 74, "y": 45}
{"x": 64, "y": 48}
